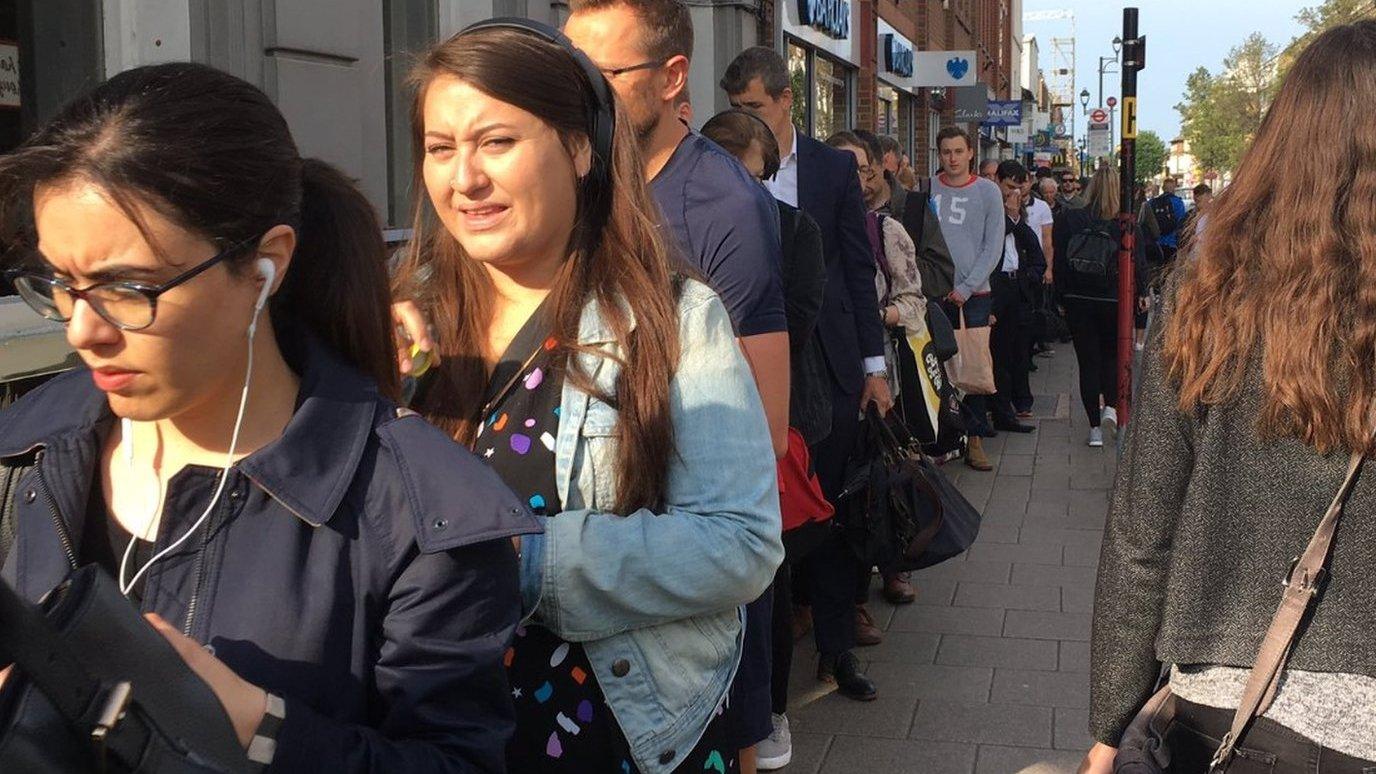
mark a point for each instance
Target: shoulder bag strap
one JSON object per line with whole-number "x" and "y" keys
{"x": 106, "y": 716}
{"x": 1302, "y": 586}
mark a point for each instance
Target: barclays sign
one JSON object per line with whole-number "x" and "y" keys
{"x": 898, "y": 57}
{"x": 830, "y": 16}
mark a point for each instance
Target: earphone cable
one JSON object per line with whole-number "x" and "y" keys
{"x": 219, "y": 489}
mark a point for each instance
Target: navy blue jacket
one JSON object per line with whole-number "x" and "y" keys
{"x": 849, "y": 324}
{"x": 359, "y": 566}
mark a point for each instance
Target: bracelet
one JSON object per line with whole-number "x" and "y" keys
{"x": 263, "y": 747}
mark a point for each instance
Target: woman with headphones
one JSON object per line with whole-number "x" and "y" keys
{"x": 605, "y": 389}
{"x": 338, "y": 571}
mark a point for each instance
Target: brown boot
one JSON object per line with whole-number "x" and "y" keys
{"x": 866, "y": 632}
{"x": 974, "y": 455}
{"x": 898, "y": 590}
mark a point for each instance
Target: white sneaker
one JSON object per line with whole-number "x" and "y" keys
{"x": 1110, "y": 417}
{"x": 1096, "y": 437}
{"x": 776, "y": 751}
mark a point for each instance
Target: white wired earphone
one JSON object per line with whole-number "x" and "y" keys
{"x": 268, "y": 271}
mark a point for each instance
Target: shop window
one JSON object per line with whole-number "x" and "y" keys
{"x": 886, "y": 113}
{"x": 409, "y": 26}
{"x": 48, "y": 56}
{"x": 831, "y": 97}
{"x": 800, "y": 81}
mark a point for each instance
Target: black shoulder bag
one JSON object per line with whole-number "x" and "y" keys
{"x": 897, "y": 508}
{"x": 94, "y": 688}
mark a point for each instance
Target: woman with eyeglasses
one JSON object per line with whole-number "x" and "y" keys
{"x": 338, "y": 571}
{"x": 608, "y": 391}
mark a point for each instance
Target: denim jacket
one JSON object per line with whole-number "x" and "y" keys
{"x": 655, "y": 597}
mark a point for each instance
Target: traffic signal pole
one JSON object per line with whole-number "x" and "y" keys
{"x": 1134, "y": 59}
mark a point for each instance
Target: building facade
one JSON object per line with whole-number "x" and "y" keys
{"x": 337, "y": 68}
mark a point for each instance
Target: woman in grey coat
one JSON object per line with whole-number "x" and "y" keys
{"x": 1255, "y": 389}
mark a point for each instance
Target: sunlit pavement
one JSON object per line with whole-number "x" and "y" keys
{"x": 988, "y": 671}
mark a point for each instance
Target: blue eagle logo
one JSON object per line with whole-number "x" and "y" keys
{"x": 957, "y": 67}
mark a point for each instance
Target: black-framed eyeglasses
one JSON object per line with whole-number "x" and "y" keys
{"x": 612, "y": 72}
{"x": 128, "y": 305}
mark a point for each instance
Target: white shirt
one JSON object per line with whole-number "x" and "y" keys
{"x": 784, "y": 184}
{"x": 1038, "y": 215}
{"x": 1010, "y": 252}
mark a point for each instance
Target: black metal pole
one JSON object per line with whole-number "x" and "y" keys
{"x": 1134, "y": 58}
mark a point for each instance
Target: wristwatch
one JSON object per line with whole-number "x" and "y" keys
{"x": 263, "y": 748}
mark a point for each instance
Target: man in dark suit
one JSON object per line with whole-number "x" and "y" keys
{"x": 824, "y": 183}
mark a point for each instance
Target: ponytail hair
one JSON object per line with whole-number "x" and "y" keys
{"x": 337, "y": 283}
{"x": 213, "y": 154}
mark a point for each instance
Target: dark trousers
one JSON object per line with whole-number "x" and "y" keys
{"x": 975, "y": 408}
{"x": 1267, "y": 746}
{"x": 781, "y": 642}
{"x": 1011, "y": 344}
{"x": 828, "y": 573}
{"x": 798, "y": 543}
{"x": 1094, "y": 329}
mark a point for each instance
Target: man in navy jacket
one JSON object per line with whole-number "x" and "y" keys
{"x": 823, "y": 182}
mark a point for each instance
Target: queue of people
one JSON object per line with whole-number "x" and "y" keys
{"x": 575, "y": 516}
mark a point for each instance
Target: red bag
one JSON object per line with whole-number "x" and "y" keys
{"x": 800, "y": 493}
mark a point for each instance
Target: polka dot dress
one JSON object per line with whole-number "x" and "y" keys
{"x": 563, "y": 723}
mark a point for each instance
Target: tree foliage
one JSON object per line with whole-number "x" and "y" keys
{"x": 1316, "y": 19}
{"x": 1151, "y": 154}
{"x": 1221, "y": 113}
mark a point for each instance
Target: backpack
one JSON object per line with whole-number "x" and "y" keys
{"x": 1092, "y": 255}
{"x": 1164, "y": 210}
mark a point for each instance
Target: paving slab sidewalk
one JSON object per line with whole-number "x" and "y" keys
{"x": 988, "y": 671}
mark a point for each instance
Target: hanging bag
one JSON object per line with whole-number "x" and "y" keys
{"x": 972, "y": 369}
{"x": 897, "y": 509}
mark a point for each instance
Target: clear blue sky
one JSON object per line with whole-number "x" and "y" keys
{"x": 1181, "y": 36}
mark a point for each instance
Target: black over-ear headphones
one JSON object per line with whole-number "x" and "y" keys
{"x": 604, "y": 118}
{"x": 597, "y": 186}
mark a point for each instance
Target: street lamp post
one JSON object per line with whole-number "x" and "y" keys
{"x": 1104, "y": 62}
{"x": 1084, "y": 108}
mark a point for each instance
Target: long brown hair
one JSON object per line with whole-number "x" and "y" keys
{"x": 212, "y": 152}
{"x": 1104, "y": 194}
{"x": 627, "y": 271}
{"x": 1285, "y": 270}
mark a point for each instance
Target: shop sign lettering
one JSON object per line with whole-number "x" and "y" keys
{"x": 829, "y": 16}
{"x": 9, "y": 74}
{"x": 898, "y": 57}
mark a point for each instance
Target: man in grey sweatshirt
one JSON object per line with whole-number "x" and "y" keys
{"x": 972, "y": 221}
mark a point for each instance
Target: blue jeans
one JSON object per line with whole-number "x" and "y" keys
{"x": 975, "y": 408}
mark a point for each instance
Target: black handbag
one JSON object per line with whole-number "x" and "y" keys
{"x": 897, "y": 510}
{"x": 960, "y": 520}
{"x": 942, "y": 332}
{"x": 96, "y": 688}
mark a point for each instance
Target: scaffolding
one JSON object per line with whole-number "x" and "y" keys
{"x": 1061, "y": 81}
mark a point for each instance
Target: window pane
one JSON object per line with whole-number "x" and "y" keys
{"x": 832, "y": 97}
{"x": 887, "y": 113}
{"x": 797, "y": 75}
